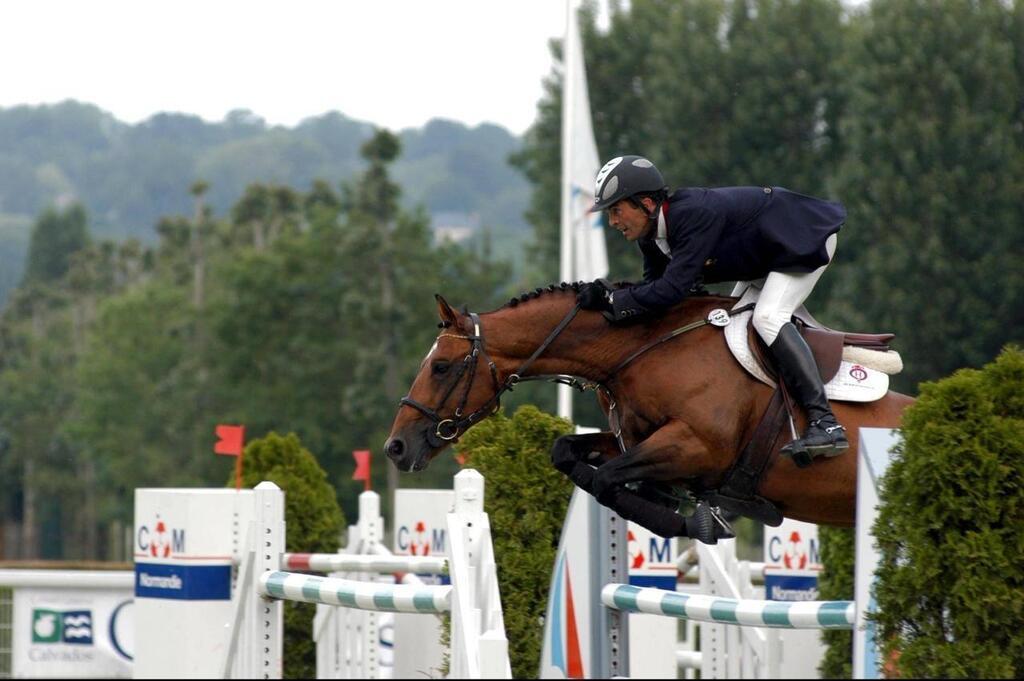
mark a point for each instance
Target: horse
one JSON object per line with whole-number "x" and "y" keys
{"x": 680, "y": 409}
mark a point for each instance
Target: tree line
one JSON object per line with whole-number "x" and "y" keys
{"x": 907, "y": 111}
{"x": 299, "y": 311}
{"x": 308, "y": 311}
{"x": 131, "y": 175}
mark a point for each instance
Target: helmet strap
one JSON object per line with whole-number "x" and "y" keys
{"x": 652, "y": 215}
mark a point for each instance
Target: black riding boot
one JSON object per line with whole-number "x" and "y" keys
{"x": 795, "y": 363}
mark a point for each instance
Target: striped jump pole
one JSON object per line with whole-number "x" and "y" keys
{"x": 353, "y": 594}
{"x": 351, "y": 562}
{"x": 778, "y": 614}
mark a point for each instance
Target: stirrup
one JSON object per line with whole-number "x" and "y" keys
{"x": 803, "y": 455}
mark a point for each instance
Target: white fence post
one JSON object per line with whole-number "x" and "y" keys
{"x": 479, "y": 647}
{"x": 267, "y": 614}
{"x": 348, "y": 632}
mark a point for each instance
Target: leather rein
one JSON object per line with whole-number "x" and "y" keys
{"x": 448, "y": 429}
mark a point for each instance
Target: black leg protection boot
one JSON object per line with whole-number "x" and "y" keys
{"x": 795, "y": 362}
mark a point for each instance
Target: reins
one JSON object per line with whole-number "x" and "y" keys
{"x": 717, "y": 317}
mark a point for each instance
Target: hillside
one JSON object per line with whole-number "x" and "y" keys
{"x": 128, "y": 176}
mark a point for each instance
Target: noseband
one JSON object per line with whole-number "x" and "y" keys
{"x": 447, "y": 429}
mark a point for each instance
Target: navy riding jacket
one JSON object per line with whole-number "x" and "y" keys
{"x": 729, "y": 234}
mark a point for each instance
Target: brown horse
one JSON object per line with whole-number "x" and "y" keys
{"x": 684, "y": 407}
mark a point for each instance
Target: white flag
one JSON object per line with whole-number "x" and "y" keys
{"x": 584, "y": 257}
{"x": 583, "y": 253}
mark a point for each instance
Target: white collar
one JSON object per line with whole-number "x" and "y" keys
{"x": 661, "y": 239}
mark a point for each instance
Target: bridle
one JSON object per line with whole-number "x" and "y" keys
{"x": 447, "y": 429}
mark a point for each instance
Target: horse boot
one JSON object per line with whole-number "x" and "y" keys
{"x": 824, "y": 435}
{"x": 707, "y": 525}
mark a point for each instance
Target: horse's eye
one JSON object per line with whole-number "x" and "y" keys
{"x": 441, "y": 367}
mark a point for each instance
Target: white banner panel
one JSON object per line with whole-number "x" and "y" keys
{"x": 72, "y": 633}
{"x": 421, "y": 519}
{"x": 186, "y": 543}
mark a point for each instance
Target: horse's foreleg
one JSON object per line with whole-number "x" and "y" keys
{"x": 648, "y": 506}
{"x": 590, "y": 449}
{"x": 576, "y": 455}
{"x": 671, "y": 453}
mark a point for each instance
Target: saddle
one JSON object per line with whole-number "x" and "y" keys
{"x": 738, "y": 490}
{"x": 826, "y": 344}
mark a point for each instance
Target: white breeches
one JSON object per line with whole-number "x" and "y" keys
{"x": 781, "y": 294}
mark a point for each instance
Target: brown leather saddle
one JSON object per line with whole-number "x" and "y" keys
{"x": 738, "y": 490}
{"x": 826, "y": 344}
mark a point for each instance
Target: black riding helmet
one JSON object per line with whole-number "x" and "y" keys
{"x": 624, "y": 177}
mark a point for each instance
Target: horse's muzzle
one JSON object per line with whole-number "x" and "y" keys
{"x": 403, "y": 457}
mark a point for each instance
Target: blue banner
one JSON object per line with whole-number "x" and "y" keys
{"x": 183, "y": 582}
{"x": 667, "y": 582}
{"x": 790, "y": 587}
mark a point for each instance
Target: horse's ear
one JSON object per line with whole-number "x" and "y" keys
{"x": 448, "y": 316}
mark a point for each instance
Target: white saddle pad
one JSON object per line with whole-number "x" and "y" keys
{"x": 854, "y": 382}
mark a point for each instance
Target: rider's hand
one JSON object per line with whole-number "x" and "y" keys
{"x": 595, "y": 295}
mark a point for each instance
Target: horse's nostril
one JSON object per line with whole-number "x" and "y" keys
{"x": 395, "y": 447}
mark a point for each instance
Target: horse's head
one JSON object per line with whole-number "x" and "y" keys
{"x": 457, "y": 386}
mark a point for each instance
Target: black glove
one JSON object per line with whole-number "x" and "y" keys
{"x": 595, "y": 295}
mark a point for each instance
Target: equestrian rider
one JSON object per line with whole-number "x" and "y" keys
{"x": 768, "y": 237}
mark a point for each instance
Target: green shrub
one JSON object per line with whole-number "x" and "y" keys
{"x": 950, "y": 530}
{"x": 836, "y": 584}
{"x": 526, "y": 500}
{"x": 313, "y": 522}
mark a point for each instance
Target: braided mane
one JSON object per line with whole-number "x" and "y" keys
{"x": 697, "y": 290}
{"x": 550, "y": 288}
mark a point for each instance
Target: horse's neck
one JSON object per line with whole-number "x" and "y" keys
{"x": 589, "y": 347}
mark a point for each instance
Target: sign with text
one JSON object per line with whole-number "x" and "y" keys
{"x": 421, "y": 517}
{"x": 187, "y": 542}
{"x": 421, "y": 529}
{"x": 792, "y": 561}
{"x": 651, "y": 559}
{"x": 72, "y": 633}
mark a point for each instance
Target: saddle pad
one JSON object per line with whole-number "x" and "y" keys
{"x": 852, "y": 383}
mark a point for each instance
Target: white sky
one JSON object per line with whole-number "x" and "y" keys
{"x": 395, "y": 63}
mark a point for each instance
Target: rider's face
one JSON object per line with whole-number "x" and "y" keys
{"x": 631, "y": 221}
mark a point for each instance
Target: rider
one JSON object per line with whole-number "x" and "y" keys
{"x": 769, "y": 237}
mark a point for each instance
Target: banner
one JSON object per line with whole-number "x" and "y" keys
{"x": 72, "y": 633}
{"x": 582, "y": 232}
{"x": 792, "y": 561}
{"x": 584, "y": 256}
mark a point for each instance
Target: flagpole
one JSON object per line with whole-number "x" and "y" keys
{"x": 568, "y": 99}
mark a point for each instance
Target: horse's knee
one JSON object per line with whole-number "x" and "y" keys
{"x": 571, "y": 449}
{"x": 562, "y": 454}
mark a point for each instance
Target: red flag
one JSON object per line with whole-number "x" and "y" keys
{"x": 231, "y": 440}
{"x": 362, "y": 457}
